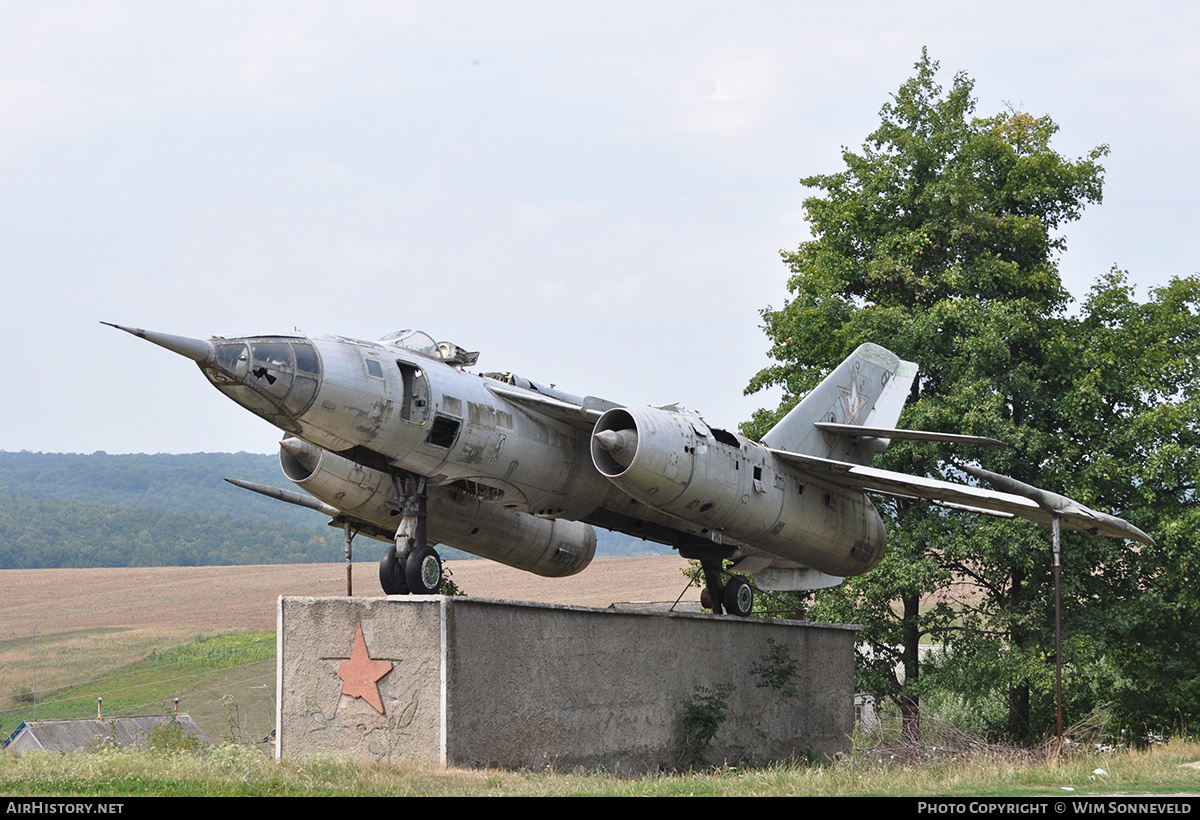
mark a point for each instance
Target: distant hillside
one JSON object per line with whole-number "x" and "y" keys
{"x": 192, "y": 483}
{"x": 101, "y": 510}
{"x": 44, "y": 533}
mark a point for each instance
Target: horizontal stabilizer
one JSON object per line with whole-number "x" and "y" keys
{"x": 855, "y": 431}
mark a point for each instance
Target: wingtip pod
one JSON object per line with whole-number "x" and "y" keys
{"x": 1073, "y": 514}
{"x": 200, "y": 351}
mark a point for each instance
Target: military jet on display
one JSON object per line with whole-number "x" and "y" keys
{"x": 399, "y": 440}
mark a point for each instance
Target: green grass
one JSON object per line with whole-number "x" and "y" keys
{"x": 226, "y": 683}
{"x": 241, "y": 770}
{"x": 238, "y": 666}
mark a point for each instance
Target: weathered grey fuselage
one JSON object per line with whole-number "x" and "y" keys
{"x": 401, "y": 404}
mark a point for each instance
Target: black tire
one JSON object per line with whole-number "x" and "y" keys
{"x": 738, "y": 597}
{"x": 423, "y": 571}
{"x": 391, "y": 573}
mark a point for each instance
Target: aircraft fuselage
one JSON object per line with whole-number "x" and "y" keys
{"x": 387, "y": 402}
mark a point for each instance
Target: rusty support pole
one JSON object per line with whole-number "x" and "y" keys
{"x": 349, "y": 563}
{"x": 1058, "y": 626}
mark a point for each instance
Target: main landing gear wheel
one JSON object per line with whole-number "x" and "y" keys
{"x": 738, "y": 596}
{"x": 391, "y": 573}
{"x": 423, "y": 571}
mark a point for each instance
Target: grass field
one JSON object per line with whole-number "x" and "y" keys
{"x": 139, "y": 638}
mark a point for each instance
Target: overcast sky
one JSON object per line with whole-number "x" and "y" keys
{"x": 590, "y": 194}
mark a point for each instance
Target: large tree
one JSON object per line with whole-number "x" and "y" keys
{"x": 940, "y": 240}
{"x": 1131, "y": 436}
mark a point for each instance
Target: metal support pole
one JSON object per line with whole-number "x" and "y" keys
{"x": 1058, "y": 626}
{"x": 349, "y": 564}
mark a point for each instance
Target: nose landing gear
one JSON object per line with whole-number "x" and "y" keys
{"x": 411, "y": 566}
{"x": 423, "y": 571}
{"x": 391, "y": 574}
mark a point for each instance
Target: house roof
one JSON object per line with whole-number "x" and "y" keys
{"x": 69, "y": 735}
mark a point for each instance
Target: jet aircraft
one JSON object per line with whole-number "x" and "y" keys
{"x": 398, "y": 439}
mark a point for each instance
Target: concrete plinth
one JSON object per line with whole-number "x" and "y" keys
{"x": 479, "y": 682}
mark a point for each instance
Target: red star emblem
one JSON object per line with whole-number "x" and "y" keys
{"x": 360, "y": 675}
{"x": 852, "y": 401}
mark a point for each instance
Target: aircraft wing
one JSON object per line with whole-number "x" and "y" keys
{"x": 1031, "y": 503}
{"x": 581, "y": 416}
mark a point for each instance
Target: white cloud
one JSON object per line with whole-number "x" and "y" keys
{"x": 615, "y": 292}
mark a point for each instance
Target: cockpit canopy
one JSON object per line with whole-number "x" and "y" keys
{"x": 415, "y": 340}
{"x": 423, "y": 344}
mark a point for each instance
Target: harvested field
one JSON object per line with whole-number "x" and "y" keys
{"x": 219, "y": 599}
{"x": 79, "y": 623}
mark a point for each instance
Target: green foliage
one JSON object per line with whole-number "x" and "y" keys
{"x": 235, "y": 724}
{"x": 702, "y": 714}
{"x": 777, "y": 671}
{"x": 940, "y": 241}
{"x": 153, "y": 682}
{"x": 864, "y": 770}
{"x": 448, "y": 586}
{"x": 192, "y": 482}
{"x": 46, "y": 533}
{"x": 218, "y": 652}
{"x": 172, "y": 738}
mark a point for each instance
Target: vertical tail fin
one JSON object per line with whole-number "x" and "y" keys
{"x": 868, "y": 389}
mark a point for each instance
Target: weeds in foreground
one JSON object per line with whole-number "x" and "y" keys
{"x": 981, "y": 770}
{"x": 702, "y": 714}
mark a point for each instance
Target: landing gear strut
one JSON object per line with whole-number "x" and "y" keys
{"x": 737, "y": 596}
{"x": 411, "y": 566}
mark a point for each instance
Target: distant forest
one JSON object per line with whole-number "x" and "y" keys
{"x": 101, "y": 510}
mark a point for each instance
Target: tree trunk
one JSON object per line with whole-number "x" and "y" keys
{"x": 1018, "y": 711}
{"x": 1018, "y": 695}
{"x": 910, "y": 701}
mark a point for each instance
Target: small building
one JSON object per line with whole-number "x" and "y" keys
{"x": 71, "y": 735}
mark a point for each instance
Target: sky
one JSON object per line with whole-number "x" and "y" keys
{"x": 591, "y": 194}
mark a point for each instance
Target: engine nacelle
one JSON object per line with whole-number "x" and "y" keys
{"x": 730, "y": 485}
{"x": 552, "y": 548}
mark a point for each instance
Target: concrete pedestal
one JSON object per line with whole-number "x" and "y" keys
{"x": 479, "y": 682}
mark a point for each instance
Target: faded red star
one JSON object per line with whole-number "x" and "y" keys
{"x": 852, "y": 402}
{"x": 360, "y": 675}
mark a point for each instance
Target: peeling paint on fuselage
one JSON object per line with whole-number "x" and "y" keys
{"x": 409, "y": 410}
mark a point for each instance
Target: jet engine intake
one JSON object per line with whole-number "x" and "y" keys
{"x": 645, "y": 448}
{"x": 736, "y": 489}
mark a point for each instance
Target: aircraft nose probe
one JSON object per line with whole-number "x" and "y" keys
{"x": 200, "y": 351}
